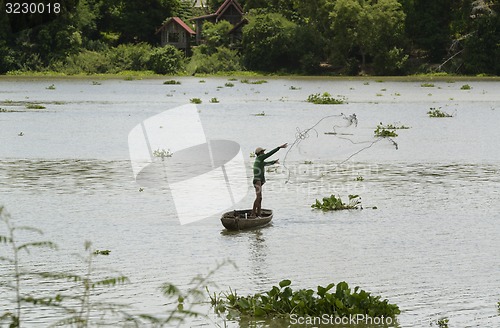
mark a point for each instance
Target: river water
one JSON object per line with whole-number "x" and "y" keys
{"x": 427, "y": 238}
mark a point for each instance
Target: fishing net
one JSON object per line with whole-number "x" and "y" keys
{"x": 332, "y": 136}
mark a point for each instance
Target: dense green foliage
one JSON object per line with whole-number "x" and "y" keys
{"x": 221, "y": 60}
{"x": 385, "y": 37}
{"x": 282, "y": 301}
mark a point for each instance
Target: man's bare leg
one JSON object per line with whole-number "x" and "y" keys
{"x": 258, "y": 199}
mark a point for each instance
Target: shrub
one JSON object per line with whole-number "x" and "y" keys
{"x": 222, "y": 60}
{"x": 90, "y": 62}
{"x": 130, "y": 57}
{"x": 166, "y": 60}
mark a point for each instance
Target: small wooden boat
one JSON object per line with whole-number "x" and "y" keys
{"x": 241, "y": 219}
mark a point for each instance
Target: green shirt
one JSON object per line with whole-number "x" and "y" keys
{"x": 258, "y": 165}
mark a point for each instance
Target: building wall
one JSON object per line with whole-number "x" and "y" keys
{"x": 175, "y": 35}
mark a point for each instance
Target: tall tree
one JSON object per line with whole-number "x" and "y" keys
{"x": 135, "y": 21}
{"x": 428, "y": 25}
{"x": 366, "y": 28}
{"x": 267, "y": 40}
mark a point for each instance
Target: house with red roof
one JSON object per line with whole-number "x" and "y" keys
{"x": 177, "y": 33}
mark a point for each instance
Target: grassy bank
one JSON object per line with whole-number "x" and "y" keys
{"x": 140, "y": 75}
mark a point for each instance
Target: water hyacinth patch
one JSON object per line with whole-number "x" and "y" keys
{"x": 334, "y": 203}
{"x": 324, "y": 99}
{"x": 433, "y": 112}
{"x": 282, "y": 301}
{"x": 172, "y": 82}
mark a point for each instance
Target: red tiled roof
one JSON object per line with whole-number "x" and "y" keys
{"x": 178, "y": 21}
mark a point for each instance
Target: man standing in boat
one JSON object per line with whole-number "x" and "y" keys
{"x": 258, "y": 175}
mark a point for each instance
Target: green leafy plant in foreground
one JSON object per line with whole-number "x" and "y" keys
{"x": 282, "y": 301}
{"x": 14, "y": 262}
{"x": 334, "y": 203}
{"x": 72, "y": 300}
{"x": 76, "y": 292}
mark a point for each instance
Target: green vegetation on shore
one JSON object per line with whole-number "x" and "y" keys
{"x": 332, "y": 37}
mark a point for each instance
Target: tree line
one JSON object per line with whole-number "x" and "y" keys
{"x": 347, "y": 37}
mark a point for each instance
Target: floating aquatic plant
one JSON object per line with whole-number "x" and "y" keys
{"x": 324, "y": 99}
{"x": 195, "y": 100}
{"x": 162, "y": 153}
{"x": 253, "y": 82}
{"x": 442, "y": 323}
{"x": 214, "y": 100}
{"x": 334, "y": 203}
{"x": 384, "y": 132}
{"x": 35, "y": 106}
{"x": 437, "y": 112}
{"x": 394, "y": 126}
{"x": 465, "y": 87}
{"x": 103, "y": 252}
{"x": 172, "y": 82}
{"x": 283, "y": 301}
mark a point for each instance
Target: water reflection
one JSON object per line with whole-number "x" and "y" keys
{"x": 254, "y": 243}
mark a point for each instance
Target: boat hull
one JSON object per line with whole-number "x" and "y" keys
{"x": 241, "y": 219}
